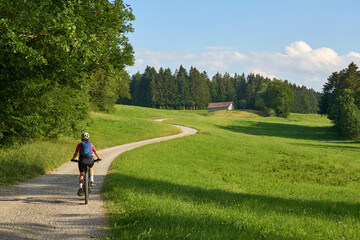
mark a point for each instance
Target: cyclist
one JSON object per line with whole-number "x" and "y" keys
{"x": 85, "y": 150}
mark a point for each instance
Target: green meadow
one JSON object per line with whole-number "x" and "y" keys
{"x": 242, "y": 176}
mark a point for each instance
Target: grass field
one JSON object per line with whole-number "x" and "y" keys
{"x": 22, "y": 162}
{"x": 243, "y": 176}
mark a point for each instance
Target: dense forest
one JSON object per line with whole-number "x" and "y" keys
{"x": 59, "y": 60}
{"x": 194, "y": 90}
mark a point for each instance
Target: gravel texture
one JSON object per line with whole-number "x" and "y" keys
{"x": 47, "y": 207}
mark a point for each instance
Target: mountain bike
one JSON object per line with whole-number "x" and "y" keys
{"x": 86, "y": 180}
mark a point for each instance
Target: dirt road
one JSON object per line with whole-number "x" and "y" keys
{"x": 47, "y": 207}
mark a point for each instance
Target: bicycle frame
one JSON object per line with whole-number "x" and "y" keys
{"x": 86, "y": 181}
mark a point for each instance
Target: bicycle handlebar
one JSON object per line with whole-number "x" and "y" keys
{"x": 76, "y": 160}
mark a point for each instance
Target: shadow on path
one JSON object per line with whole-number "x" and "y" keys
{"x": 42, "y": 230}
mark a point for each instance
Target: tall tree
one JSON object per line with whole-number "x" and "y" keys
{"x": 222, "y": 88}
{"x": 278, "y": 96}
{"x": 305, "y": 100}
{"x": 254, "y": 85}
{"x": 199, "y": 88}
{"x": 55, "y": 56}
{"x": 240, "y": 90}
{"x": 184, "y": 97}
{"x": 328, "y": 90}
{"x": 351, "y": 80}
{"x": 340, "y": 101}
{"x": 213, "y": 88}
{"x": 151, "y": 93}
{"x": 230, "y": 88}
{"x": 135, "y": 89}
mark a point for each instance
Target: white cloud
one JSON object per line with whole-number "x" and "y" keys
{"x": 220, "y": 60}
{"x": 173, "y": 56}
{"x": 299, "y": 63}
{"x": 265, "y": 74}
{"x": 219, "y": 48}
{"x": 214, "y": 60}
{"x": 302, "y": 55}
{"x": 139, "y": 62}
{"x": 313, "y": 79}
{"x": 352, "y": 57}
{"x": 297, "y": 48}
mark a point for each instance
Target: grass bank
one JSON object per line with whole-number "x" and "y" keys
{"x": 244, "y": 177}
{"x": 22, "y": 162}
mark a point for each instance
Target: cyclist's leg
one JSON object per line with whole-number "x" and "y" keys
{"x": 81, "y": 177}
{"x": 91, "y": 173}
{"x": 82, "y": 170}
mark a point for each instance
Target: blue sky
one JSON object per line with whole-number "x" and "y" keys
{"x": 301, "y": 41}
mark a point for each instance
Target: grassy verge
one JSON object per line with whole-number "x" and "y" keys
{"x": 126, "y": 124}
{"x": 238, "y": 178}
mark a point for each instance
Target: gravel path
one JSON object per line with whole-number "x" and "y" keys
{"x": 47, "y": 207}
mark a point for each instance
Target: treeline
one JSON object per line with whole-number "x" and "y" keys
{"x": 194, "y": 90}
{"x": 340, "y": 101}
{"x": 305, "y": 100}
{"x": 58, "y": 60}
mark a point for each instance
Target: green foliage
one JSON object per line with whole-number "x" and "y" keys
{"x": 55, "y": 57}
{"x": 255, "y": 84}
{"x": 260, "y": 99}
{"x": 341, "y": 102}
{"x": 199, "y": 89}
{"x": 184, "y": 99}
{"x": 305, "y": 100}
{"x": 348, "y": 119}
{"x": 269, "y": 111}
{"x": 278, "y": 96}
{"x": 107, "y": 88}
{"x": 327, "y": 94}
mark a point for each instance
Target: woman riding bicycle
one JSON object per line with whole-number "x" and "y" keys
{"x": 85, "y": 150}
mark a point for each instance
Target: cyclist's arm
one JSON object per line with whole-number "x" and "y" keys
{"x": 94, "y": 151}
{"x": 75, "y": 154}
{"x": 97, "y": 155}
{"x": 77, "y": 150}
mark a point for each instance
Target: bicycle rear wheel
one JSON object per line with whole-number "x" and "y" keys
{"x": 86, "y": 186}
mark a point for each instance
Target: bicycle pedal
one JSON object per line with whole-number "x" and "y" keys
{"x": 80, "y": 192}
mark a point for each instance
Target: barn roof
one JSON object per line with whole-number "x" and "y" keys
{"x": 220, "y": 105}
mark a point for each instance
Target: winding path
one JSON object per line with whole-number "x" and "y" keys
{"x": 47, "y": 207}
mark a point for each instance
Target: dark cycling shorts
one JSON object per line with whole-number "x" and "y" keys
{"x": 85, "y": 162}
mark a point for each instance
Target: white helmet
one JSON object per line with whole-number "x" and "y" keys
{"x": 85, "y": 136}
